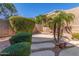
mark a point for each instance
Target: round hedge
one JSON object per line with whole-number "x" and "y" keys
{"x": 21, "y": 37}
{"x": 18, "y": 49}
{"x": 22, "y": 24}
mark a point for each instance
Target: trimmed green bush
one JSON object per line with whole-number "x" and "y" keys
{"x": 75, "y": 35}
{"x": 21, "y": 37}
{"x": 21, "y": 24}
{"x": 18, "y": 49}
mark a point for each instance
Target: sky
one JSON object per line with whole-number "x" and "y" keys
{"x": 31, "y": 10}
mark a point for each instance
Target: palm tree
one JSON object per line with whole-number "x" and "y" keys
{"x": 59, "y": 22}
{"x": 7, "y": 10}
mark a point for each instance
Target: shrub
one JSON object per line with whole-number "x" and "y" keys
{"x": 18, "y": 49}
{"x": 75, "y": 35}
{"x": 21, "y": 37}
{"x": 22, "y": 24}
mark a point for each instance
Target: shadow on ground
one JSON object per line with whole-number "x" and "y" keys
{"x": 43, "y": 47}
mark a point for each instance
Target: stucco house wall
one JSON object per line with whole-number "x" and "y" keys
{"x": 75, "y": 23}
{"x": 5, "y": 30}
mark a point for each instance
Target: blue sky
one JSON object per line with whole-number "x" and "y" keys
{"x": 34, "y": 9}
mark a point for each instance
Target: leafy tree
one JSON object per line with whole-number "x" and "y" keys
{"x": 7, "y": 10}
{"x": 41, "y": 19}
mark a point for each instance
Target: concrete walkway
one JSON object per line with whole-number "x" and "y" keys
{"x": 43, "y": 45}
{"x": 70, "y": 52}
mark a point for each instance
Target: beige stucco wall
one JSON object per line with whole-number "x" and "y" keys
{"x": 5, "y": 30}
{"x": 75, "y": 23}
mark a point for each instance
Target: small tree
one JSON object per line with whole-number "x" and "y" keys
{"x": 59, "y": 22}
{"x": 41, "y": 19}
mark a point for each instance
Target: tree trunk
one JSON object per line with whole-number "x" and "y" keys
{"x": 56, "y": 50}
{"x": 54, "y": 32}
{"x": 61, "y": 32}
{"x": 58, "y": 31}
